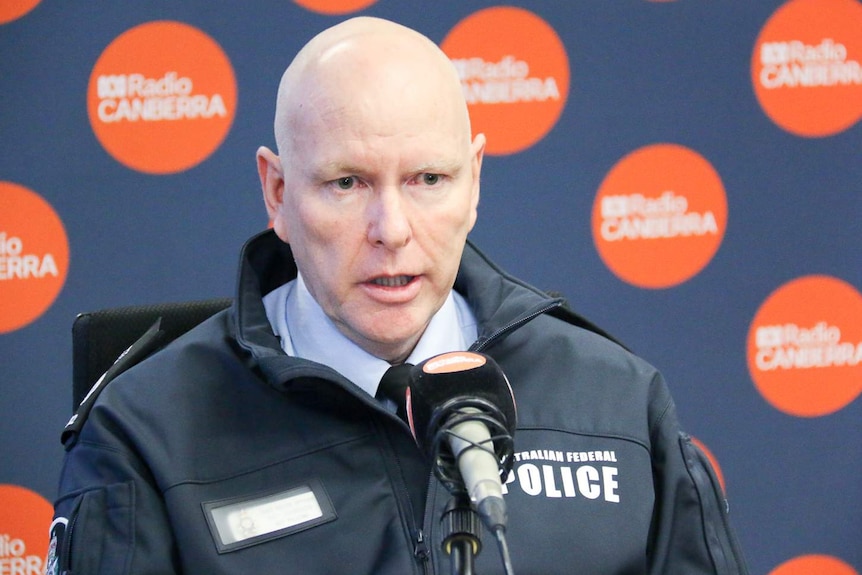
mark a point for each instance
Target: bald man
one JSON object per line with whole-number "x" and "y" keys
{"x": 376, "y": 183}
{"x": 255, "y": 443}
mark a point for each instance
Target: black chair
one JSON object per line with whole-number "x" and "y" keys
{"x": 100, "y": 337}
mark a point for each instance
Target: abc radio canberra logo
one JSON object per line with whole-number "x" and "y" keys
{"x": 334, "y": 7}
{"x": 514, "y": 71}
{"x": 806, "y": 66}
{"x": 659, "y": 216}
{"x": 24, "y": 526}
{"x": 805, "y": 346}
{"x": 34, "y": 256}
{"x": 162, "y": 97}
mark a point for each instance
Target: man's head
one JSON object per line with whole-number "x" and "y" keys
{"x": 376, "y": 181}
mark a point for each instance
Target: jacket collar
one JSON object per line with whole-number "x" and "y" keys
{"x": 500, "y": 302}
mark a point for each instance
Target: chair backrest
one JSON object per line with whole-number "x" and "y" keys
{"x": 100, "y": 337}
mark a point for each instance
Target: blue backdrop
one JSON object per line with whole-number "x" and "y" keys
{"x": 641, "y": 73}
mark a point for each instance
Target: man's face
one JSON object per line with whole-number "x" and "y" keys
{"x": 379, "y": 195}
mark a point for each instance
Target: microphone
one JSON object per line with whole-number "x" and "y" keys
{"x": 462, "y": 414}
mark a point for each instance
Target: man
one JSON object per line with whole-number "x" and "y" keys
{"x": 255, "y": 444}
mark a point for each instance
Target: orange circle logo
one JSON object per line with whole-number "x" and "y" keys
{"x": 515, "y": 74}
{"x": 335, "y": 6}
{"x": 805, "y": 346}
{"x": 24, "y": 526}
{"x": 807, "y": 66}
{"x": 810, "y": 564}
{"x": 34, "y": 256}
{"x": 14, "y": 9}
{"x": 659, "y": 216}
{"x": 162, "y": 97}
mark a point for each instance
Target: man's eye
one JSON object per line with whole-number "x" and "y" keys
{"x": 346, "y": 182}
{"x": 430, "y": 179}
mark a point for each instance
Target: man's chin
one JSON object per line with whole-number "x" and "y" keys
{"x": 391, "y": 341}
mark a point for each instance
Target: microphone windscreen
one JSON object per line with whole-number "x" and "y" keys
{"x": 458, "y": 377}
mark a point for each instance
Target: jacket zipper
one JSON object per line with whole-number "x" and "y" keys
{"x": 483, "y": 343}
{"x": 421, "y": 552}
{"x": 417, "y": 535}
{"x": 426, "y": 522}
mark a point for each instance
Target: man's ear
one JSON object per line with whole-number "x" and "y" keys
{"x": 477, "y": 150}
{"x": 272, "y": 184}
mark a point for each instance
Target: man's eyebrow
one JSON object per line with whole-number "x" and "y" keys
{"x": 442, "y": 166}
{"x": 331, "y": 170}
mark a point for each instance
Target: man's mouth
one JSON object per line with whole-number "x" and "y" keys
{"x": 392, "y": 281}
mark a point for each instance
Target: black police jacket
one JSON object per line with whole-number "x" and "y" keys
{"x": 221, "y": 454}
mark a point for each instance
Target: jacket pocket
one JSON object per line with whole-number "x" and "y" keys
{"x": 99, "y": 534}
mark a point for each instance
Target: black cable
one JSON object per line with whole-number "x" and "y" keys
{"x": 504, "y": 551}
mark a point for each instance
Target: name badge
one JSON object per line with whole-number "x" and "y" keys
{"x": 243, "y": 521}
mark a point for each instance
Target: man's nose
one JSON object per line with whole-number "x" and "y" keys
{"x": 389, "y": 222}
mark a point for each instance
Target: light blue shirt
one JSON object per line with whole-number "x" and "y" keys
{"x": 305, "y": 331}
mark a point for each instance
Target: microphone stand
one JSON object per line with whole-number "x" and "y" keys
{"x": 461, "y": 528}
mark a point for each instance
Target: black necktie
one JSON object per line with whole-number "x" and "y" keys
{"x": 394, "y": 385}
